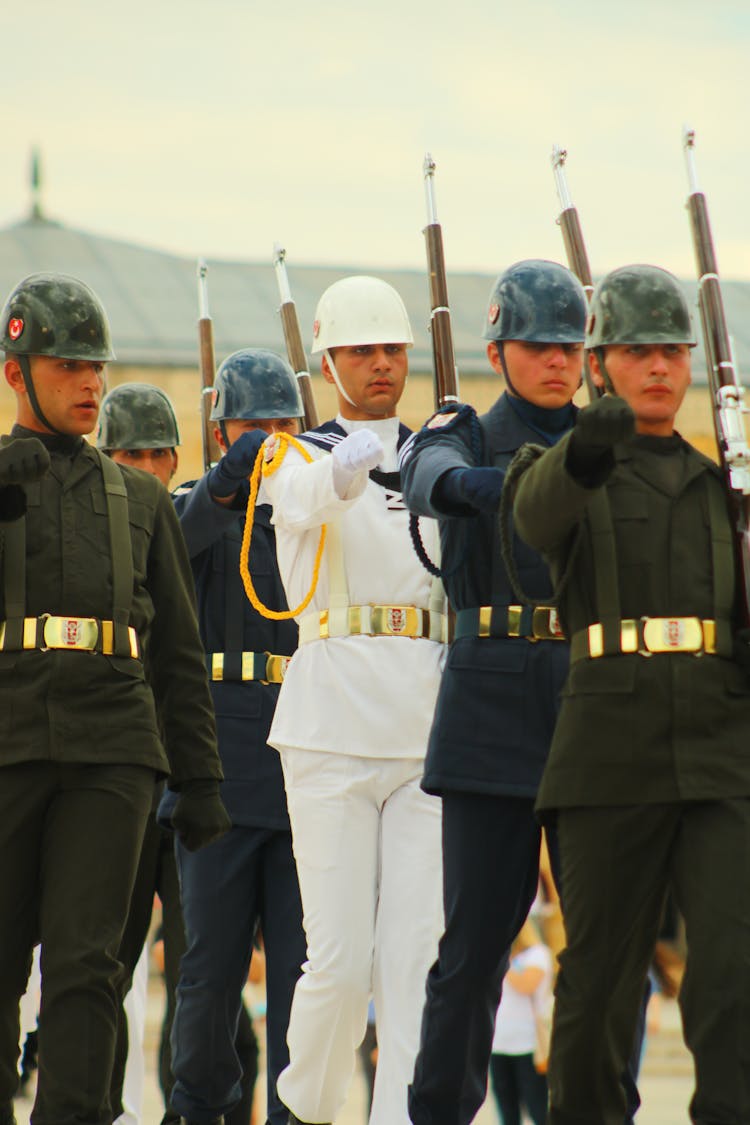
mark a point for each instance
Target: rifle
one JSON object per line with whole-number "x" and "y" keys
{"x": 292, "y": 336}
{"x": 575, "y": 247}
{"x": 211, "y": 450}
{"x": 443, "y": 359}
{"x": 726, "y": 389}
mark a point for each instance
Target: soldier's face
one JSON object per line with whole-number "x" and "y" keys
{"x": 652, "y": 378}
{"x": 160, "y": 463}
{"x": 546, "y": 375}
{"x": 373, "y": 376}
{"x": 236, "y": 426}
{"x": 69, "y": 393}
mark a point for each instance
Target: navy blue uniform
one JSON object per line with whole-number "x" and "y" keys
{"x": 248, "y": 878}
{"x": 493, "y": 725}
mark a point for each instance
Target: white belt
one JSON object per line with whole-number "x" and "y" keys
{"x": 374, "y": 621}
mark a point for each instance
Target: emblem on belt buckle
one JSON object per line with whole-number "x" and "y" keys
{"x": 555, "y": 627}
{"x": 673, "y": 634}
{"x": 396, "y": 619}
{"x": 70, "y": 632}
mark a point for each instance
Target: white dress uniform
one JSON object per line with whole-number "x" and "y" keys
{"x": 351, "y": 726}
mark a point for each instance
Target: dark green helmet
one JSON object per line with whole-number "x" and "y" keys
{"x": 255, "y": 383}
{"x": 56, "y": 315}
{"x": 639, "y": 305}
{"x": 137, "y": 416}
{"x": 538, "y": 302}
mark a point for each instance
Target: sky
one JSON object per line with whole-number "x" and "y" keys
{"x": 216, "y": 128}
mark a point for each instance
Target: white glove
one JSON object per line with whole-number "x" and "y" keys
{"x": 358, "y": 452}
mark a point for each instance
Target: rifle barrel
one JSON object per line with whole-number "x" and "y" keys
{"x": 295, "y": 349}
{"x": 443, "y": 357}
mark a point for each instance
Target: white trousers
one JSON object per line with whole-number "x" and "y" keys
{"x": 135, "y": 1067}
{"x": 367, "y": 842}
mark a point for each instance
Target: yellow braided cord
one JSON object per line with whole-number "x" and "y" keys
{"x": 266, "y": 468}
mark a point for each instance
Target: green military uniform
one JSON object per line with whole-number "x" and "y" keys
{"x": 80, "y": 748}
{"x": 649, "y": 770}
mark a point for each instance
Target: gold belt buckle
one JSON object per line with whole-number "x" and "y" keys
{"x": 396, "y": 621}
{"x": 673, "y": 634}
{"x": 276, "y": 667}
{"x": 70, "y": 632}
{"x": 546, "y": 624}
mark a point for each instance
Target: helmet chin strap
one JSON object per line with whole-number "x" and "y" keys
{"x": 608, "y": 384}
{"x": 337, "y": 380}
{"x": 504, "y": 365}
{"x": 25, "y": 365}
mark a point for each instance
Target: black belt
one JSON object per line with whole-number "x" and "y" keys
{"x": 645, "y": 636}
{"x": 76, "y": 634}
{"x": 532, "y": 623}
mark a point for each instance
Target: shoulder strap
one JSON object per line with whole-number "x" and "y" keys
{"x": 13, "y": 553}
{"x": 607, "y": 592}
{"x": 121, "y": 551}
{"x": 722, "y": 565}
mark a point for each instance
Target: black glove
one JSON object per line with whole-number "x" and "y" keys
{"x": 476, "y": 488}
{"x": 601, "y": 425}
{"x": 742, "y": 649}
{"x": 236, "y": 465}
{"x": 598, "y": 428}
{"x": 23, "y": 460}
{"x": 199, "y": 817}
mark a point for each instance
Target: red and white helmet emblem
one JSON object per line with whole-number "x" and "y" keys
{"x": 396, "y": 619}
{"x": 493, "y": 314}
{"x": 15, "y": 327}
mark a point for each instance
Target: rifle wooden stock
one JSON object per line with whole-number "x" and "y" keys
{"x": 295, "y": 349}
{"x": 726, "y": 389}
{"x": 575, "y": 248}
{"x": 445, "y": 373}
{"x": 211, "y": 450}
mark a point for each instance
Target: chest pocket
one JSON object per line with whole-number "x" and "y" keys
{"x": 630, "y": 514}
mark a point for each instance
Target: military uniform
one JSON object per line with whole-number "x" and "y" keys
{"x": 247, "y": 880}
{"x": 493, "y": 724}
{"x": 80, "y": 745}
{"x": 351, "y": 727}
{"x": 648, "y": 773}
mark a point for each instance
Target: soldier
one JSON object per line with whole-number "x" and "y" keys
{"x": 98, "y": 636}
{"x": 353, "y": 716}
{"x": 648, "y": 775}
{"x": 498, "y": 696}
{"x": 248, "y": 880}
{"x": 138, "y": 427}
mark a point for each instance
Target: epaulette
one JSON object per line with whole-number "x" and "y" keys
{"x": 449, "y": 416}
{"x": 183, "y": 489}
{"x": 446, "y": 418}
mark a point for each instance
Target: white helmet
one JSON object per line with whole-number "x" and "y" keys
{"x": 360, "y": 310}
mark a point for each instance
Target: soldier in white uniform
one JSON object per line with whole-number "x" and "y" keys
{"x": 354, "y": 715}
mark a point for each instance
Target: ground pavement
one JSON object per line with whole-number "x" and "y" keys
{"x": 666, "y": 1080}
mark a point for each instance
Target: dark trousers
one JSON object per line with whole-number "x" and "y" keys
{"x": 245, "y": 880}
{"x": 70, "y": 838}
{"x": 517, "y": 1086}
{"x": 617, "y": 864}
{"x": 156, "y": 875}
{"x": 490, "y": 878}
